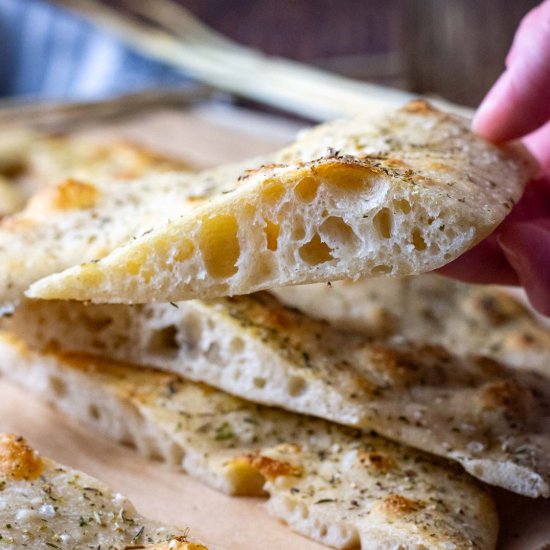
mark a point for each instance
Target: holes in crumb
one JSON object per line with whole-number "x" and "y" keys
{"x": 296, "y": 386}
{"x": 306, "y": 189}
{"x": 403, "y": 205}
{"x": 190, "y": 332}
{"x": 383, "y": 222}
{"x": 93, "y": 412}
{"x": 219, "y": 245}
{"x": 418, "y": 240}
{"x": 271, "y": 231}
{"x": 336, "y": 229}
{"x": 237, "y": 373}
{"x": 304, "y": 512}
{"x": 236, "y": 345}
{"x": 381, "y": 269}
{"x": 315, "y": 252}
{"x": 323, "y": 531}
{"x": 164, "y": 341}
{"x": 272, "y": 192}
{"x": 298, "y": 233}
{"x": 213, "y": 352}
{"x": 450, "y": 233}
{"x": 347, "y": 178}
{"x": 259, "y": 382}
{"x": 58, "y": 386}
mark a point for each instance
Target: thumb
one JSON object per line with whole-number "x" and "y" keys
{"x": 519, "y": 102}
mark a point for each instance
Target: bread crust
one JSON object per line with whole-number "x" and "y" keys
{"x": 402, "y": 193}
{"x": 331, "y": 483}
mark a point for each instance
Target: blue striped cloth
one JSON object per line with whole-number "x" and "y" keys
{"x": 48, "y": 53}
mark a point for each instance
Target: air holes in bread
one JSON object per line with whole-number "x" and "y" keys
{"x": 213, "y": 353}
{"x": 383, "y": 222}
{"x": 315, "y": 252}
{"x": 336, "y": 230}
{"x": 272, "y": 192}
{"x": 259, "y": 382}
{"x": 306, "y": 189}
{"x": 219, "y": 245}
{"x": 58, "y": 386}
{"x": 236, "y": 345}
{"x": 296, "y": 386}
{"x": 346, "y": 178}
{"x": 164, "y": 341}
{"x": 403, "y": 205}
{"x": 93, "y": 412}
{"x": 299, "y": 232}
{"x": 271, "y": 231}
{"x": 418, "y": 240}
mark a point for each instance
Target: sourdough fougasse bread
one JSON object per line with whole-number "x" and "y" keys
{"x": 45, "y": 505}
{"x": 402, "y": 193}
{"x": 464, "y": 318}
{"x": 328, "y": 482}
{"x": 492, "y": 419}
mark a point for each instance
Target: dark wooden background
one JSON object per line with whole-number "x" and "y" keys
{"x": 454, "y": 48}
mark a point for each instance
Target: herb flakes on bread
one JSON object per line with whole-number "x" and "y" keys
{"x": 399, "y": 194}
{"x": 492, "y": 419}
{"x": 46, "y": 505}
{"x": 328, "y": 482}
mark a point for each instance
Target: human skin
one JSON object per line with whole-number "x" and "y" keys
{"x": 518, "y": 107}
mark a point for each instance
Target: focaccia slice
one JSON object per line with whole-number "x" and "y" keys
{"x": 45, "y": 505}
{"x": 493, "y": 420}
{"x": 330, "y": 483}
{"x": 403, "y": 193}
{"x": 465, "y": 318}
{"x": 53, "y": 159}
{"x": 48, "y": 160}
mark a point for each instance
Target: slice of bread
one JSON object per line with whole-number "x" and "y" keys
{"x": 328, "y": 482}
{"x": 468, "y": 319}
{"x": 45, "y": 505}
{"x": 403, "y": 193}
{"x": 493, "y": 420}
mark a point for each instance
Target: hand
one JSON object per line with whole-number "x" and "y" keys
{"x": 518, "y": 106}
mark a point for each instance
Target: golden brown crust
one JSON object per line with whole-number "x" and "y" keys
{"x": 272, "y": 468}
{"x": 399, "y": 505}
{"x": 18, "y": 460}
{"x": 379, "y": 462}
{"x": 73, "y": 194}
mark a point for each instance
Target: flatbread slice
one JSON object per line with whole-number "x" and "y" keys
{"x": 53, "y": 159}
{"x": 328, "y": 482}
{"x": 465, "y": 318}
{"x": 402, "y": 193}
{"x": 45, "y": 505}
{"x": 491, "y": 419}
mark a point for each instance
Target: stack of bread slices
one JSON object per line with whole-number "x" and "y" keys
{"x": 197, "y": 317}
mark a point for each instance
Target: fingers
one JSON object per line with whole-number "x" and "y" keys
{"x": 527, "y": 248}
{"x": 519, "y": 102}
{"x": 538, "y": 143}
{"x": 514, "y": 253}
{"x": 483, "y": 264}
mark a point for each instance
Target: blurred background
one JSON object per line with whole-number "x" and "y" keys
{"x": 451, "y": 48}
